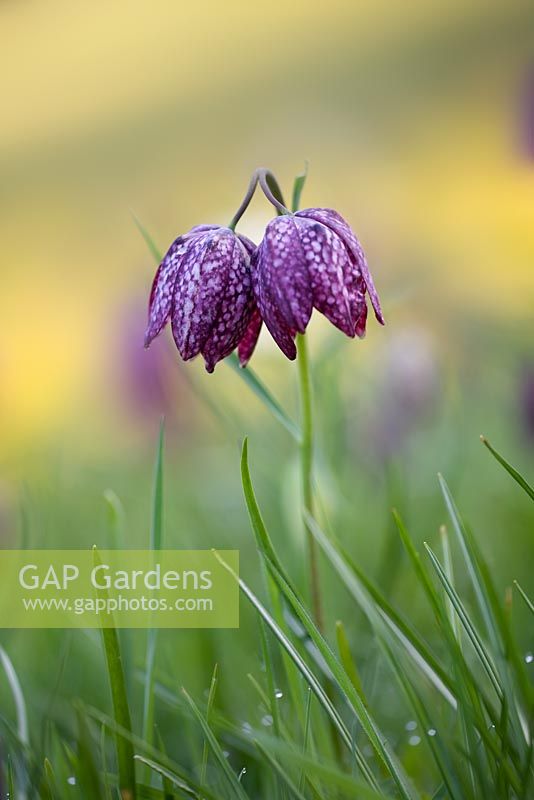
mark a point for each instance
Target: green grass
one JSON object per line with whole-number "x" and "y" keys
{"x": 462, "y": 687}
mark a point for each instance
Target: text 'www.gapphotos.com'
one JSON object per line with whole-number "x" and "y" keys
{"x": 110, "y": 605}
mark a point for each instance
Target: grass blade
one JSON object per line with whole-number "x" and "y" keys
{"x": 525, "y": 485}
{"x": 121, "y": 709}
{"x": 263, "y": 539}
{"x": 87, "y": 775}
{"x": 262, "y": 392}
{"x": 156, "y": 539}
{"x": 380, "y": 612}
{"x": 374, "y": 734}
{"x": 437, "y": 747}
{"x": 500, "y": 636}
{"x": 115, "y": 514}
{"x": 467, "y": 551}
{"x": 231, "y": 778}
{"x": 18, "y": 697}
{"x": 264, "y": 543}
{"x": 298, "y": 186}
{"x": 326, "y": 773}
{"x": 306, "y": 736}
{"x": 467, "y": 625}
{"x": 449, "y": 572}
{"x": 50, "y": 779}
{"x": 209, "y": 707}
{"x": 13, "y": 795}
{"x": 103, "y": 761}
{"x": 305, "y": 671}
{"x": 347, "y": 659}
{"x": 149, "y": 241}
{"x": 167, "y": 774}
{"x": 528, "y": 601}
{"x": 280, "y": 772}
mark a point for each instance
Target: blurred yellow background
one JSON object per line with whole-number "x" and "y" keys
{"x": 410, "y": 115}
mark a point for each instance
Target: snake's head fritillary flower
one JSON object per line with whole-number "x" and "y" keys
{"x": 312, "y": 259}
{"x": 204, "y": 287}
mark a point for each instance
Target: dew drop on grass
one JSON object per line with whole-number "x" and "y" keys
{"x": 226, "y": 754}
{"x": 246, "y": 727}
{"x": 278, "y": 694}
{"x": 411, "y": 725}
{"x": 71, "y": 780}
{"x": 529, "y": 658}
{"x": 243, "y": 772}
{"x": 414, "y": 740}
{"x": 267, "y": 720}
{"x": 431, "y": 731}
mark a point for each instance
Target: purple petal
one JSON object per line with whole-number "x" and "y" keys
{"x": 159, "y": 307}
{"x": 234, "y": 311}
{"x": 248, "y": 244}
{"x": 361, "y": 321}
{"x": 199, "y": 288}
{"x": 270, "y": 312}
{"x": 285, "y": 272}
{"x": 336, "y": 222}
{"x": 328, "y": 264}
{"x": 250, "y": 337}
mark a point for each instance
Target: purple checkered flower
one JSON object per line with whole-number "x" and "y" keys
{"x": 204, "y": 286}
{"x": 311, "y": 259}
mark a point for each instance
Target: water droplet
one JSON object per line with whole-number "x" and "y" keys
{"x": 432, "y": 731}
{"x": 278, "y": 694}
{"x": 529, "y": 658}
{"x": 72, "y": 780}
{"x": 243, "y": 772}
{"x": 411, "y": 725}
{"x": 267, "y": 720}
{"x": 246, "y": 727}
{"x": 414, "y": 740}
{"x": 226, "y": 754}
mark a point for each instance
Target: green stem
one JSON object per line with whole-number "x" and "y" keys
{"x": 306, "y": 467}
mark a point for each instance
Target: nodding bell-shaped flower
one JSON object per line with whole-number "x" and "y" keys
{"x": 204, "y": 286}
{"x": 306, "y": 260}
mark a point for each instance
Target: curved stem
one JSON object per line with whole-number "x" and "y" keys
{"x": 306, "y": 466}
{"x": 272, "y": 191}
{"x": 246, "y": 200}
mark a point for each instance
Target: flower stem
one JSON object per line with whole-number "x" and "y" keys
{"x": 306, "y": 466}
{"x": 246, "y": 201}
{"x": 271, "y": 190}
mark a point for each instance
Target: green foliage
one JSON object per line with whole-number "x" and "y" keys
{"x": 396, "y": 699}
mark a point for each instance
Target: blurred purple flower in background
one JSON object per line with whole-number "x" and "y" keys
{"x": 306, "y": 260}
{"x": 204, "y": 286}
{"x": 144, "y": 380}
{"x": 408, "y": 391}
